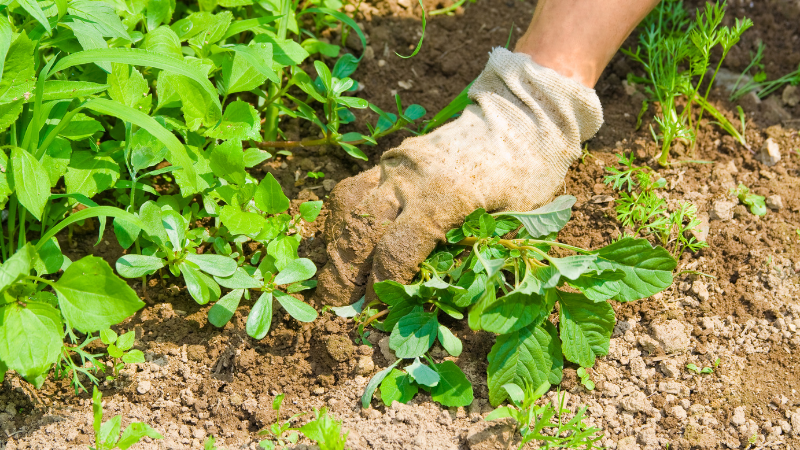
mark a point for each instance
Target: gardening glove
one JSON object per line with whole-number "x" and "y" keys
{"x": 510, "y": 151}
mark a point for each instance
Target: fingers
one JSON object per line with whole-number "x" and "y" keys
{"x": 351, "y": 239}
{"x": 404, "y": 247}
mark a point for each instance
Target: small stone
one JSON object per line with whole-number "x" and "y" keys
{"x": 796, "y": 422}
{"x": 199, "y": 433}
{"x": 236, "y": 399}
{"x": 738, "y": 418}
{"x": 648, "y": 344}
{"x": 669, "y": 368}
{"x": 791, "y": 95}
{"x": 673, "y": 387}
{"x": 672, "y": 335}
{"x": 381, "y": 63}
{"x": 628, "y": 443}
{"x": 602, "y": 199}
{"x": 328, "y": 185}
{"x": 678, "y": 412}
{"x": 700, "y": 290}
{"x": 774, "y": 202}
{"x": 637, "y": 402}
{"x": 700, "y": 232}
{"x": 770, "y": 153}
{"x": 739, "y": 211}
{"x": 144, "y": 387}
{"x": 405, "y": 84}
{"x": 365, "y": 366}
{"x": 722, "y": 210}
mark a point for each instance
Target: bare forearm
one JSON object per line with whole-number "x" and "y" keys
{"x": 578, "y": 38}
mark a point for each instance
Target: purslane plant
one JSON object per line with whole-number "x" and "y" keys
{"x": 675, "y": 53}
{"x": 510, "y": 287}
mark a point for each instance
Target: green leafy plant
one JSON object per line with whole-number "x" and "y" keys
{"x": 510, "y": 287}
{"x": 759, "y": 83}
{"x": 106, "y": 434}
{"x": 586, "y": 379}
{"x": 277, "y": 430}
{"x": 675, "y": 53}
{"x": 120, "y": 349}
{"x": 754, "y": 201}
{"x": 641, "y": 209}
{"x": 325, "y": 431}
{"x": 535, "y": 422}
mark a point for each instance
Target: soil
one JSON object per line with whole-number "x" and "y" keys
{"x": 744, "y": 311}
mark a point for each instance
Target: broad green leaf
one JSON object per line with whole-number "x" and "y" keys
{"x": 49, "y": 259}
{"x": 449, "y": 341}
{"x": 58, "y": 89}
{"x": 17, "y": 266}
{"x": 109, "y": 431}
{"x": 349, "y": 310}
{"x": 163, "y": 40}
{"x": 515, "y": 393}
{"x": 134, "y": 433}
{"x": 531, "y": 355}
{"x": 19, "y": 66}
{"x": 227, "y": 161}
{"x": 216, "y": 265}
{"x": 414, "y": 334}
{"x": 81, "y": 127}
{"x": 269, "y": 196}
{"x": 237, "y": 75}
{"x": 223, "y": 310}
{"x": 212, "y": 28}
{"x": 283, "y": 250}
{"x": 125, "y": 341}
{"x": 32, "y": 7}
{"x": 526, "y": 305}
{"x": 158, "y": 12}
{"x": 398, "y": 386}
{"x": 391, "y": 292}
{"x": 285, "y": 52}
{"x": 175, "y": 225}
{"x": 108, "y": 336}
{"x": 241, "y": 222}
{"x": 547, "y": 219}
{"x": 135, "y": 266}
{"x": 56, "y": 159}
{"x": 259, "y": 55}
{"x": 92, "y": 298}
{"x": 585, "y": 327}
{"x": 146, "y": 150}
{"x": 572, "y": 267}
{"x": 453, "y": 389}
{"x": 297, "y": 309}
{"x": 30, "y": 181}
{"x": 255, "y": 156}
{"x": 299, "y": 269}
{"x": 422, "y": 374}
{"x": 260, "y": 318}
{"x": 239, "y": 280}
{"x": 152, "y": 223}
{"x": 241, "y": 121}
{"x": 599, "y": 284}
{"x": 101, "y": 15}
{"x": 345, "y": 66}
{"x": 309, "y": 211}
{"x": 89, "y": 36}
{"x": 144, "y": 58}
{"x": 373, "y": 384}
{"x": 6, "y": 35}
{"x": 647, "y": 270}
{"x": 177, "y": 151}
{"x": 90, "y": 173}
{"x": 133, "y": 357}
{"x": 201, "y": 287}
{"x": 128, "y": 87}
{"x": 30, "y": 339}
{"x": 9, "y": 113}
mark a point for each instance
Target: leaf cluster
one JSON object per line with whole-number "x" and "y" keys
{"x": 755, "y": 202}
{"x": 323, "y": 430}
{"x": 641, "y": 208}
{"x": 107, "y": 434}
{"x": 675, "y": 53}
{"x": 510, "y": 287}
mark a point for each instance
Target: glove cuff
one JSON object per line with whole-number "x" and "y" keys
{"x": 544, "y": 110}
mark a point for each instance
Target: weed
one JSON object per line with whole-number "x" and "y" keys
{"x": 508, "y": 287}
{"x": 759, "y": 82}
{"x": 277, "y": 430}
{"x": 120, "y": 349}
{"x": 643, "y": 210}
{"x": 315, "y": 175}
{"x": 106, "y": 434}
{"x": 755, "y": 202}
{"x": 586, "y": 379}
{"x": 324, "y": 430}
{"x": 675, "y": 53}
{"x": 535, "y": 422}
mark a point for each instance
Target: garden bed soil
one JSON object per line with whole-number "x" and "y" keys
{"x": 744, "y": 312}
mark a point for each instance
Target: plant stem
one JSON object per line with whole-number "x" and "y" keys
{"x": 12, "y": 217}
{"x": 22, "y": 238}
{"x": 450, "y": 8}
{"x": 513, "y": 244}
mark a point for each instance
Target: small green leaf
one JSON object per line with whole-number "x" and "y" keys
{"x": 414, "y": 334}
{"x": 574, "y": 266}
{"x": 297, "y": 309}
{"x": 453, "y": 389}
{"x": 135, "y": 432}
{"x": 423, "y": 374}
{"x": 585, "y": 327}
{"x": 216, "y": 265}
{"x": 398, "y": 386}
{"x": 135, "y": 266}
{"x": 373, "y": 384}
{"x": 283, "y": 250}
{"x": 269, "y": 196}
{"x": 30, "y": 181}
{"x": 548, "y": 219}
{"x": 299, "y": 269}
{"x": 450, "y": 343}
{"x": 108, "y": 336}
{"x": 240, "y": 279}
{"x": 223, "y": 310}
{"x": 227, "y": 162}
{"x": 125, "y": 341}
{"x": 201, "y": 287}
{"x": 133, "y": 357}
{"x": 240, "y": 121}
{"x": 310, "y": 210}
{"x": 260, "y": 318}
{"x": 18, "y": 266}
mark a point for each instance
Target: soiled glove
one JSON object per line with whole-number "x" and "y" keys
{"x": 510, "y": 151}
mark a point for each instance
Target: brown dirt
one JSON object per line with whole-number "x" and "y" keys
{"x": 202, "y": 381}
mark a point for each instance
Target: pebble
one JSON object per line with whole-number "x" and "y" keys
{"x": 144, "y": 387}
{"x": 770, "y": 153}
{"x": 738, "y": 418}
{"x": 796, "y": 422}
{"x": 774, "y": 202}
{"x": 365, "y": 366}
{"x": 722, "y": 210}
{"x": 678, "y": 412}
{"x": 669, "y": 368}
{"x": 673, "y": 336}
{"x": 791, "y": 95}
{"x": 700, "y": 290}
{"x": 328, "y": 185}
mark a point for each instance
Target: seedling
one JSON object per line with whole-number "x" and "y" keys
{"x": 675, "y": 53}
{"x": 644, "y": 211}
{"x": 106, "y": 434}
{"x": 535, "y": 422}
{"x": 120, "y": 348}
{"x": 510, "y": 287}
{"x": 586, "y": 379}
{"x": 281, "y": 433}
{"x": 315, "y": 175}
{"x": 325, "y": 431}
{"x": 704, "y": 370}
{"x": 754, "y": 201}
